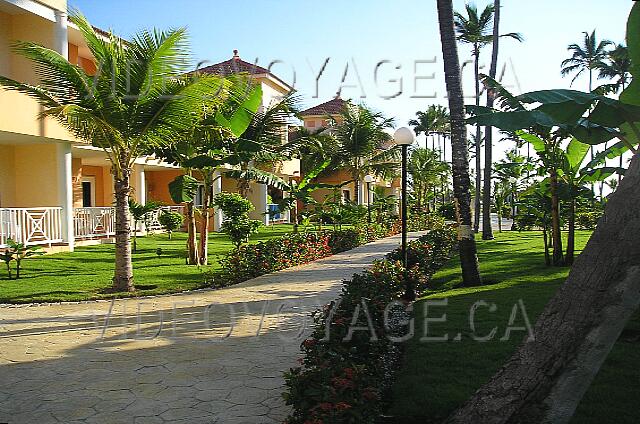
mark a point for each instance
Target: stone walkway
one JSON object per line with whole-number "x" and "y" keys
{"x": 199, "y": 357}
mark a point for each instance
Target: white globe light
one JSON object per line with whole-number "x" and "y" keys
{"x": 368, "y": 179}
{"x": 404, "y": 136}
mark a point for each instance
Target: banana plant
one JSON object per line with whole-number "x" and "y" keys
{"x": 19, "y": 252}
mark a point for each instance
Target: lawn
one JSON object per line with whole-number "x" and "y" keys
{"x": 87, "y": 272}
{"x": 436, "y": 377}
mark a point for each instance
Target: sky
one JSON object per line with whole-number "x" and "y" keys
{"x": 383, "y": 53}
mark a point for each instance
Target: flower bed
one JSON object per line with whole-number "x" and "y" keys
{"x": 344, "y": 372}
{"x": 253, "y": 260}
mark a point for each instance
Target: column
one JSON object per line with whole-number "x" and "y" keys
{"x": 258, "y": 197}
{"x": 141, "y": 185}
{"x": 61, "y": 42}
{"x": 65, "y": 192}
{"x": 217, "y": 214}
{"x": 262, "y": 205}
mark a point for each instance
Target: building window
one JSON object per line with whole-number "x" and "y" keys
{"x": 311, "y": 124}
{"x": 346, "y": 196}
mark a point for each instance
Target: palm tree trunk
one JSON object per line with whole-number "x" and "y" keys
{"x": 460, "y": 154}
{"x": 556, "y": 235}
{"x": 571, "y": 237}
{"x": 545, "y": 379}
{"x": 123, "y": 275}
{"x": 192, "y": 251}
{"x": 545, "y": 238}
{"x": 356, "y": 188}
{"x": 477, "y": 203}
{"x": 204, "y": 226}
{"x": 487, "y": 231}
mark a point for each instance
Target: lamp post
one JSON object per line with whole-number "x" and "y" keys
{"x": 368, "y": 179}
{"x": 404, "y": 137}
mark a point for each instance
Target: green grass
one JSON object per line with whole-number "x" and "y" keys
{"x": 436, "y": 377}
{"x": 87, "y": 272}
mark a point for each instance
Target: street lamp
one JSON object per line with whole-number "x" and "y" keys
{"x": 368, "y": 179}
{"x": 404, "y": 137}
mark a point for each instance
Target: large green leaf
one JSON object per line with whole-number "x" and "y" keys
{"x": 535, "y": 141}
{"x": 576, "y": 152}
{"x": 611, "y": 152}
{"x": 601, "y": 174}
{"x": 242, "y": 115}
{"x": 313, "y": 173}
{"x": 183, "y": 189}
{"x": 513, "y": 121}
{"x": 631, "y": 94}
{"x": 259, "y": 176}
{"x": 590, "y": 133}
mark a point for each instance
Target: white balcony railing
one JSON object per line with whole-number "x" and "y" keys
{"x": 94, "y": 222}
{"x": 154, "y": 223}
{"x": 31, "y": 225}
{"x": 43, "y": 226}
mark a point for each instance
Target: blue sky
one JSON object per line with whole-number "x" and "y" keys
{"x": 401, "y": 35}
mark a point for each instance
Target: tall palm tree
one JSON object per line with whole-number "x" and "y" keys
{"x": 617, "y": 65}
{"x": 589, "y": 57}
{"x": 363, "y": 144}
{"x": 476, "y": 29}
{"x": 431, "y": 121}
{"x": 426, "y": 169}
{"x": 459, "y": 153}
{"x": 140, "y": 97}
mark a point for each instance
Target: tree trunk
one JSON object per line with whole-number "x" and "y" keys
{"x": 544, "y": 381}
{"x": 478, "y": 186}
{"x": 571, "y": 237}
{"x": 123, "y": 275}
{"x": 556, "y": 234}
{"x": 356, "y": 189}
{"x": 459, "y": 152}
{"x": 204, "y": 226}
{"x": 192, "y": 251}
{"x": 487, "y": 231}
{"x": 547, "y": 257}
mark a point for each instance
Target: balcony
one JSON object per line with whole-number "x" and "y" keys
{"x": 43, "y": 226}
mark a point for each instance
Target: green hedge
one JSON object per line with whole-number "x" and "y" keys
{"x": 340, "y": 380}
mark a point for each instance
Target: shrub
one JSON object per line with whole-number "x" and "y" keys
{"x": 447, "y": 211}
{"x": 170, "y": 221}
{"x": 342, "y": 378}
{"x": 237, "y": 224}
{"x": 17, "y": 252}
{"x": 588, "y": 220}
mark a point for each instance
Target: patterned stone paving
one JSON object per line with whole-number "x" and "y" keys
{"x": 213, "y": 356}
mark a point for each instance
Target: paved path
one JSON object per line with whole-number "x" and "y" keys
{"x": 200, "y": 357}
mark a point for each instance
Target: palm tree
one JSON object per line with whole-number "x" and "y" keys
{"x": 140, "y": 97}
{"x": 476, "y": 29}
{"x": 590, "y": 56}
{"x": 617, "y": 65}
{"x": 459, "y": 153}
{"x": 363, "y": 145}
{"x": 431, "y": 121}
{"x": 425, "y": 168}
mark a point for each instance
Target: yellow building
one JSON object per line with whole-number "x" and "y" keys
{"x": 273, "y": 89}
{"x": 322, "y": 116}
{"x": 54, "y": 188}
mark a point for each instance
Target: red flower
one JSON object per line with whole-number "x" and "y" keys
{"x": 348, "y": 372}
{"x": 342, "y": 406}
{"x": 326, "y": 406}
{"x": 309, "y": 343}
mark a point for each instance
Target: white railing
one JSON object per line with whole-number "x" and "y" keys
{"x": 154, "y": 222}
{"x": 31, "y": 225}
{"x": 94, "y": 222}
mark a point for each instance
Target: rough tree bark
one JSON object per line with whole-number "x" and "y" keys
{"x": 545, "y": 379}
{"x": 192, "y": 251}
{"x": 487, "y": 231}
{"x": 556, "y": 235}
{"x": 459, "y": 152}
{"x": 204, "y": 225}
{"x": 571, "y": 236}
{"x": 478, "y": 148}
{"x": 123, "y": 274}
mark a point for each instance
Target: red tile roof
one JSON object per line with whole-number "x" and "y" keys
{"x": 332, "y": 107}
{"x": 236, "y": 65}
